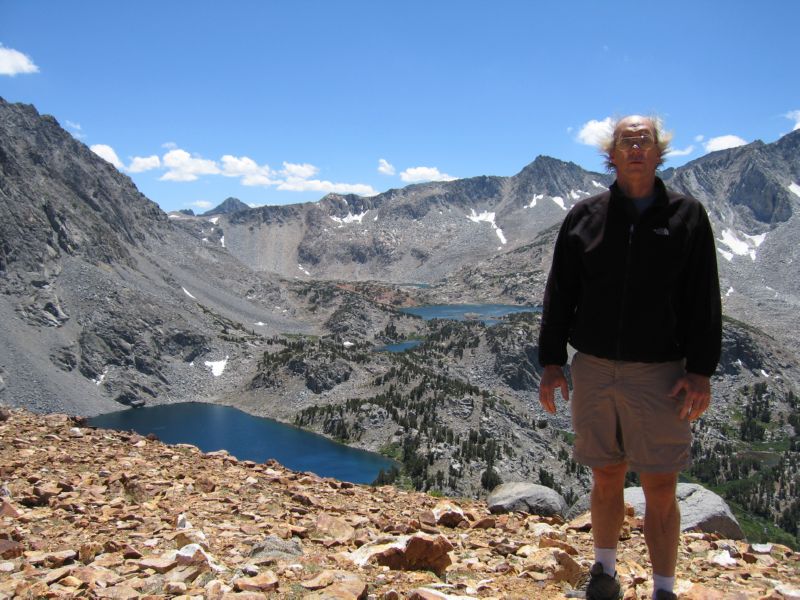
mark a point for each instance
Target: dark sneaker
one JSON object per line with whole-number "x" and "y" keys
{"x": 596, "y": 585}
{"x": 664, "y": 595}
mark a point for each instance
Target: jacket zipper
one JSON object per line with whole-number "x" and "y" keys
{"x": 624, "y": 296}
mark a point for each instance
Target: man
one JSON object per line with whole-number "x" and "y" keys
{"x": 634, "y": 289}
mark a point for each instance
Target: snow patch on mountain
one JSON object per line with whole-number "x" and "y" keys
{"x": 794, "y": 188}
{"x": 100, "y": 377}
{"x": 303, "y": 270}
{"x": 350, "y": 218}
{"x": 185, "y": 291}
{"x": 214, "y": 220}
{"x": 487, "y": 217}
{"x": 534, "y": 200}
{"x": 222, "y": 241}
{"x": 740, "y": 244}
{"x": 559, "y": 201}
{"x": 216, "y": 366}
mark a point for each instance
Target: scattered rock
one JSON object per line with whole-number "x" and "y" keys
{"x": 89, "y": 537}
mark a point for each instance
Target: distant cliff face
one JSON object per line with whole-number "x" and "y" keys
{"x": 752, "y": 194}
{"x": 95, "y": 281}
{"x": 59, "y": 199}
{"x": 420, "y": 233}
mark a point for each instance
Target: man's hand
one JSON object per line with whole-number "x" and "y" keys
{"x": 552, "y": 378}
{"x": 697, "y": 395}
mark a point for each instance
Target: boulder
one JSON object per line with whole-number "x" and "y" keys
{"x": 274, "y": 549}
{"x": 582, "y": 505}
{"x": 407, "y": 553}
{"x": 701, "y": 510}
{"x": 526, "y": 497}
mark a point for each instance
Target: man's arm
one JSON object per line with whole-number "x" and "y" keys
{"x": 560, "y": 298}
{"x": 701, "y": 312}
{"x": 552, "y": 379}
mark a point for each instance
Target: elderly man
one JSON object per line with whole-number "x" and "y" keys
{"x": 634, "y": 289}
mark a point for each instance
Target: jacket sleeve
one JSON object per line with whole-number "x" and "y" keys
{"x": 560, "y": 299}
{"x": 702, "y": 305}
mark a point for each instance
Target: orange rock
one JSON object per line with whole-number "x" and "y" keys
{"x": 546, "y": 542}
{"x": 263, "y": 582}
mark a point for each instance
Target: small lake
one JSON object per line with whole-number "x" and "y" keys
{"x": 212, "y": 427}
{"x": 400, "y": 346}
{"x": 490, "y": 314}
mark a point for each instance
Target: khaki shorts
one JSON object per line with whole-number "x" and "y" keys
{"x": 622, "y": 412}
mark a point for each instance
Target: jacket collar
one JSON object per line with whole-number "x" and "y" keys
{"x": 623, "y": 202}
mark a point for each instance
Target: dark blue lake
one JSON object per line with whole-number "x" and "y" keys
{"x": 488, "y": 313}
{"x": 400, "y": 346}
{"x": 212, "y": 427}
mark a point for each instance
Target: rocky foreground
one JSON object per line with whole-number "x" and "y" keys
{"x": 101, "y": 514}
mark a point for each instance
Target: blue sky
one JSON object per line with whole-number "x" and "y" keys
{"x": 281, "y": 102}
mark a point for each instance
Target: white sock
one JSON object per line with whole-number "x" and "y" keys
{"x": 662, "y": 583}
{"x": 608, "y": 558}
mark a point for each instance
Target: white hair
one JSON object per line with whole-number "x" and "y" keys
{"x": 608, "y": 142}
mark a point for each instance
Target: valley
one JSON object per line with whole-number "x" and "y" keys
{"x": 108, "y": 302}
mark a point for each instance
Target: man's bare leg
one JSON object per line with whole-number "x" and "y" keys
{"x": 608, "y": 505}
{"x": 662, "y": 521}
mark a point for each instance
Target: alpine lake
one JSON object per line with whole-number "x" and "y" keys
{"x": 212, "y": 427}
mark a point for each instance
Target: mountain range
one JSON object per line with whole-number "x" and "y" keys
{"x": 109, "y": 302}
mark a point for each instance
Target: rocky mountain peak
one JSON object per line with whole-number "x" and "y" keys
{"x": 59, "y": 198}
{"x": 228, "y": 206}
{"x": 753, "y": 179}
{"x": 556, "y": 178}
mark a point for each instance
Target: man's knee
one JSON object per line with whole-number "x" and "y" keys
{"x": 659, "y": 489}
{"x": 609, "y": 479}
{"x": 610, "y": 474}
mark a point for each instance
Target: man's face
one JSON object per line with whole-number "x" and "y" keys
{"x": 635, "y": 151}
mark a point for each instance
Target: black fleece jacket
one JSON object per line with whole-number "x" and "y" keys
{"x": 632, "y": 287}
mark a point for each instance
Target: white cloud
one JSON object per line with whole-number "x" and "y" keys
{"x": 246, "y": 168}
{"x": 169, "y": 145}
{"x": 315, "y": 185}
{"x": 293, "y": 171}
{"x": 107, "y": 153}
{"x": 185, "y": 167}
{"x": 385, "y": 167}
{"x": 699, "y": 138}
{"x": 593, "y": 132}
{"x": 418, "y": 174}
{"x": 13, "y": 62}
{"x": 202, "y": 204}
{"x": 685, "y": 152}
{"x": 295, "y": 177}
{"x": 72, "y": 125}
{"x": 723, "y": 142}
{"x": 794, "y": 115}
{"x": 140, "y": 164}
